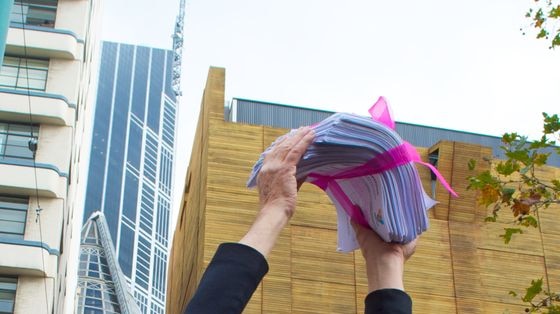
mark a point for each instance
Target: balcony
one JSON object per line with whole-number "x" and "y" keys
{"x": 18, "y": 177}
{"x": 42, "y": 39}
{"x": 45, "y": 108}
{"x": 43, "y": 42}
{"x": 25, "y": 258}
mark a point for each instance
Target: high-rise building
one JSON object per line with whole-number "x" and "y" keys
{"x": 45, "y": 99}
{"x": 131, "y": 165}
{"x": 461, "y": 265}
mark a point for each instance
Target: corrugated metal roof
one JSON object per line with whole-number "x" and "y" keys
{"x": 285, "y": 116}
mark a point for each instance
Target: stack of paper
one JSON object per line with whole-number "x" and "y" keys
{"x": 368, "y": 172}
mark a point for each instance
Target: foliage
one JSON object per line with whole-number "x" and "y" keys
{"x": 515, "y": 184}
{"x": 545, "y": 19}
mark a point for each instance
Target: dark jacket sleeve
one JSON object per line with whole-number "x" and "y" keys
{"x": 229, "y": 281}
{"x": 388, "y": 301}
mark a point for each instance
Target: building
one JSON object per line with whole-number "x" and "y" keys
{"x": 131, "y": 165}
{"x": 45, "y": 100}
{"x": 460, "y": 266}
{"x": 101, "y": 283}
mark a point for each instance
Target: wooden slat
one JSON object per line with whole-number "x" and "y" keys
{"x": 552, "y": 260}
{"x": 429, "y": 303}
{"x": 527, "y": 243}
{"x": 474, "y": 306}
{"x": 277, "y": 295}
{"x": 310, "y": 296}
{"x": 314, "y": 256}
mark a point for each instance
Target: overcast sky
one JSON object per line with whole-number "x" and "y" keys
{"x": 460, "y": 65}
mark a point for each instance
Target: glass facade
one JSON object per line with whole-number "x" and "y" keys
{"x": 131, "y": 166}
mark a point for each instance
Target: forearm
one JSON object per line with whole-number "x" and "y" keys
{"x": 265, "y": 230}
{"x": 385, "y": 272}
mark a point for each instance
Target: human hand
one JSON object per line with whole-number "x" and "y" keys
{"x": 276, "y": 181}
{"x": 384, "y": 261}
{"x": 278, "y": 188}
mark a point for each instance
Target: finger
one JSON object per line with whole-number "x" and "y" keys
{"x": 300, "y": 147}
{"x": 273, "y": 152}
{"x": 282, "y": 150}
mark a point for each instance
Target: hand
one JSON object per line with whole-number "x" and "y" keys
{"x": 276, "y": 181}
{"x": 277, "y": 190}
{"x": 384, "y": 261}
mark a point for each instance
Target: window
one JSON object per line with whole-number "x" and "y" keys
{"x": 433, "y": 158}
{"x": 34, "y": 12}
{"x": 7, "y": 294}
{"x": 24, "y": 73}
{"x": 14, "y": 140}
{"x": 13, "y": 214}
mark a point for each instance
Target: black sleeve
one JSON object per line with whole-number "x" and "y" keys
{"x": 388, "y": 301}
{"x": 229, "y": 281}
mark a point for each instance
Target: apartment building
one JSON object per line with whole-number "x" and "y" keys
{"x": 45, "y": 103}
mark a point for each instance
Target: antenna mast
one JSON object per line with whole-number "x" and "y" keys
{"x": 178, "y": 49}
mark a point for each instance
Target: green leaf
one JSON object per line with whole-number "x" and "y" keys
{"x": 554, "y": 13}
{"x": 507, "y": 194}
{"x": 533, "y": 290}
{"x": 529, "y": 221}
{"x": 512, "y": 293}
{"x": 490, "y": 219}
{"x": 543, "y": 33}
{"x": 556, "y": 40}
{"x": 508, "y": 167}
{"x": 551, "y": 123}
{"x": 482, "y": 180}
{"x": 472, "y": 164}
{"x": 509, "y": 233}
{"x": 556, "y": 184}
{"x": 509, "y": 138}
{"x": 541, "y": 159}
{"x": 519, "y": 155}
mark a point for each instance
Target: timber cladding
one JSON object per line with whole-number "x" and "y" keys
{"x": 460, "y": 266}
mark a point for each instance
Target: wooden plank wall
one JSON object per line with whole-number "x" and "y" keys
{"x": 461, "y": 265}
{"x": 187, "y": 253}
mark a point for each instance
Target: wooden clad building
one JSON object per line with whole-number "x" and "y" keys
{"x": 460, "y": 266}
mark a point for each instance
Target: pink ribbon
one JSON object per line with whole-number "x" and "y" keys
{"x": 392, "y": 158}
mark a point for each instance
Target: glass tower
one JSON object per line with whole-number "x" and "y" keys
{"x": 131, "y": 165}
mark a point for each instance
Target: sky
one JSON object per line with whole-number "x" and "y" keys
{"x": 461, "y": 65}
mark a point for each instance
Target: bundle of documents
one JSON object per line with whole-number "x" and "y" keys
{"x": 368, "y": 172}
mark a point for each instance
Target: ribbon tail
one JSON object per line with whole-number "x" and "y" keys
{"x": 353, "y": 211}
{"x": 439, "y": 177}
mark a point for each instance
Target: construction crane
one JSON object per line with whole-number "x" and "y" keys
{"x": 178, "y": 49}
